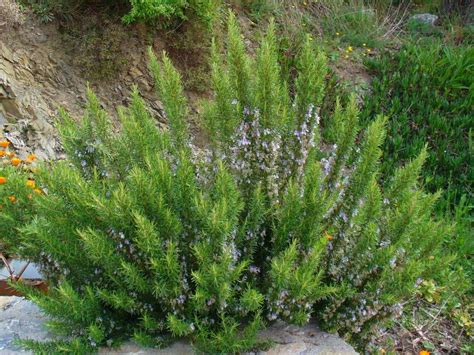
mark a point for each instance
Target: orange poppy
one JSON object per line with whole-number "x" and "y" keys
{"x": 38, "y": 191}
{"x": 4, "y": 144}
{"x": 12, "y": 198}
{"x": 2, "y": 153}
{"x": 3, "y": 180}
{"x": 31, "y": 183}
{"x": 424, "y": 352}
{"x": 15, "y": 161}
{"x": 31, "y": 157}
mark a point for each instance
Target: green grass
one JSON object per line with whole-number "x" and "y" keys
{"x": 358, "y": 22}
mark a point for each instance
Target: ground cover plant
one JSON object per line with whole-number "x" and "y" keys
{"x": 425, "y": 88}
{"x": 427, "y": 91}
{"x": 143, "y": 235}
{"x": 430, "y": 91}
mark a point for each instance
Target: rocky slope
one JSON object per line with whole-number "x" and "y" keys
{"x": 37, "y": 77}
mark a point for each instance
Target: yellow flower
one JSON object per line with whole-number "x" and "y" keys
{"x": 364, "y": 44}
{"x": 350, "y": 49}
{"x": 3, "y": 180}
{"x": 346, "y": 56}
{"x": 369, "y": 50}
{"x": 38, "y": 191}
{"x": 31, "y": 184}
{"x": 338, "y": 34}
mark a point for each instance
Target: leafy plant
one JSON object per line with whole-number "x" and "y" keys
{"x": 139, "y": 10}
{"x": 17, "y": 191}
{"x": 430, "y": 91}
{"x": 143, "y": 235}
{"x": 152, "y": 10}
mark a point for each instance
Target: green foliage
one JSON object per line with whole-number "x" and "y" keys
{"x": 150, "y": 11}
{"x": 143, "y": 235}
{"x": 426, "y": 90}
{"x": 260, "y": 9}
{"x": 16, "y": 205}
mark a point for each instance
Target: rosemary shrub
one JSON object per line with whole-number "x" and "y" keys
{"x": 143, "y": 235}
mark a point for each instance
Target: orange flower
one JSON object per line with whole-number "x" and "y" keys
{"x": 30, "y": 196}
{"x": 11, "y": 155}
{"x": 38, "y": 191}
{"x": 12, "y": 198}
{"x": 4, "y": 144}
{"x": 15, "y": 161}
{"x": 3, "y": 180}
{"x": 2, "y": 153}
{"x": 31, "y": 157}
{"x": 424, "y": 352}
{"x": 328, "y": 236}
{"x": 31, "y": 184}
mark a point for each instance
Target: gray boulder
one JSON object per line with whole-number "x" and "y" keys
{"x": 427, "y": 19}
{"x": 20, "y": 318}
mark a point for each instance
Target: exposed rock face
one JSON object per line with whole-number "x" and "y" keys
{"x": 10, "y": 13}
{"x": 22, "y": 319}
{"x": 428, "y": 19}
{"x": 305, "y": 340}
{"x": 19, "y": 318}
{"x": 25, "y": 116}
{"x": 37, "y": 77}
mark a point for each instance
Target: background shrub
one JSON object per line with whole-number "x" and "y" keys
{"x": 154, "y": 11}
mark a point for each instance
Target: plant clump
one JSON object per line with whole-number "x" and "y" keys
{"x": 143, "y": 235}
